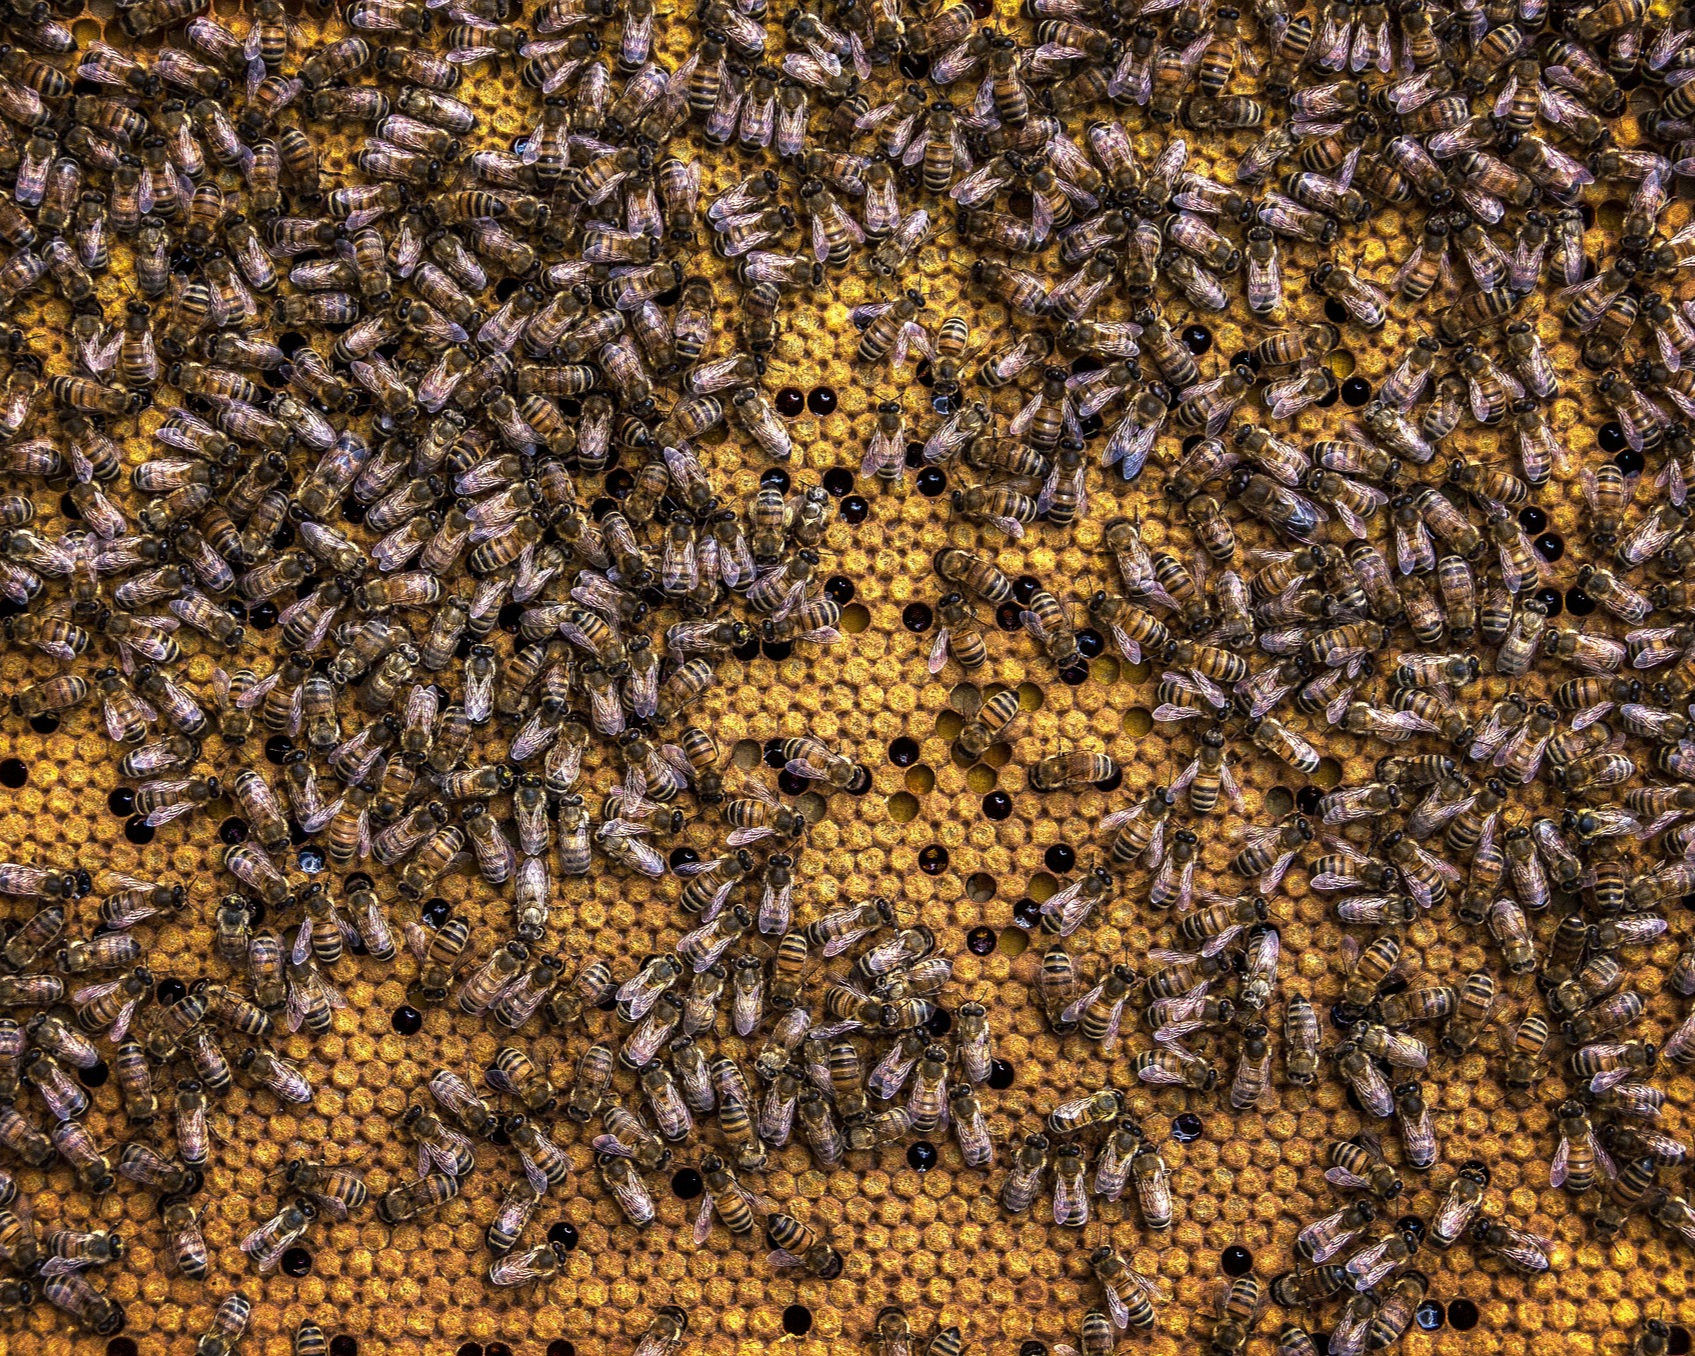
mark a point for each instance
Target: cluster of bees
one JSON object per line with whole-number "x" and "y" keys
{"x": 460, "y": 424}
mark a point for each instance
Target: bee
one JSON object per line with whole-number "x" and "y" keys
{"x": 1019, "y": 1190}
{"x": 1062, "y": 770}
{"x": 797, "y": 1244}
{"x": 1358, "y": 1163}
{"x": 420, "y": 1196}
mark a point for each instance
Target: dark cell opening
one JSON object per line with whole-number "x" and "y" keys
{"x": 565, "y": 1235}
{"x": 407, "y": 1020}
{"x": 1024, "y": 588}
{"x": 1060, "y": 858}
{"x": 922, "y": 1156}
{"x": 903, "y": 752}
{"x": 13, "y": 773}
{"x": 980, "y": 941}
{"x": 1197, "y": 339}
{"x": 854, "y": 510}
{"x": 120, "y": 800}
{"x": 777, "y": 650}
{"x": 560, "y": 1347}
{"x": 917, "y": 617}
{"x": 1462, "y": 1313}
{"x": 838, "y": 480}
{"x": 1550, "y": 599}
{"x": 1532, "y": 519}
{"x": 1677, "y": 1343}
{"x": 997, "y": 805}
{"x": 262, "y": 616}
{"x": 747, "y": 651}
{"x": 775, "y": 477}
{"x": 933, "y": 860}
{"x": 343, "y": 1345}
{"x": 1007, "y": 617}
{"x": 45, "y": 723}
{"x": 1336, "y": 313}
{"x": 932, "y": 481}
{"x": 1090, "y": 643}
{"x": 1000, "y": 1075}
{"x": 277, "y": 748}
{"x": 821, "y": 400}
{"x": 1611, "y": 437}
{"x": 791, "y": 785}
{"x": 1075, "y": 676}
{"x": 1430, "y": 1315}
{"x": 839, "y": 590}
{"x": 940, "y": 1023}
{"x": 687, "y": 1184}
{"x": 95, "y": 1076}
{"x": 1630, "y": 462}
{"x": 297, "y": 1262}
{"x": 1186, "y": 1127}
{"x": 1236, "y": 1260}
{"x": 1307, "y": 799}
{"x": 797, "y": 1320}
{"x": 1550, "y": 546}
{"x": 169, "y": 991}
{"x": 1112, "y": 783}
{"x": 121, "y": 1346}
{"x": 683, "y": 856}
{"x": 470, "y": 1349}
{"x": 1355, "y": 392}
{"x": 139, "y": 831}
{"x": 435, "y": 911}
{"x": 1579, "y": 604}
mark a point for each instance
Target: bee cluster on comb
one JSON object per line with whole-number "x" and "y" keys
{"x": 415, "y": 524}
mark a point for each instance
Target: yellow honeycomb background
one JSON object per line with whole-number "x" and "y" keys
{"x": 937, "y": 1243}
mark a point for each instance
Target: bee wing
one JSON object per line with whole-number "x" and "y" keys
{"x": 120, "y": 1028}
{"x": 703, "y": 1218}
{"x": 1557, "y": 1168}
{"x": 302, "y": 942}
{"x": 1116, "y": 1309}
{"x": 1343, "y": 1178}
{"x": 939, "y": 651}
{"x": 611, "y": 1144}
{"x": 1602, "y": 1158}
{"x": 1231, "y": 790}
{"x": 63, "y": 1266}
{"x": 319, "y": 821}
{"x": 533, "y": 1173}
{"x": 95, "y": 991}
{"x": 1072, "y": 1013}
{"x": 257, "y": 693}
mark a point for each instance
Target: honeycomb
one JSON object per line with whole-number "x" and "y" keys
{"x": 935, "y": 1242}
